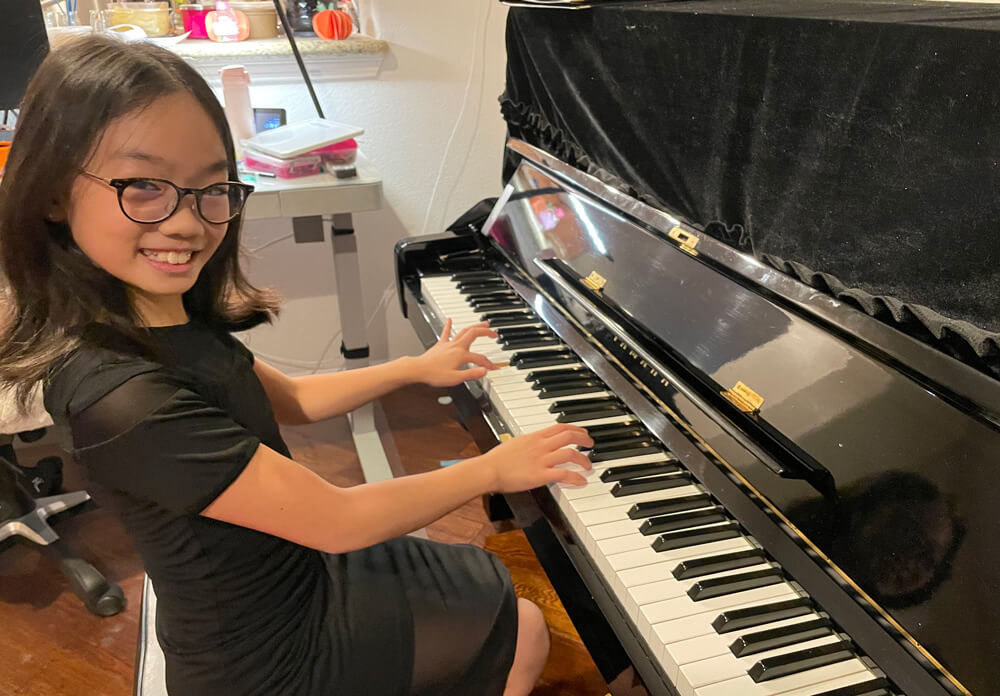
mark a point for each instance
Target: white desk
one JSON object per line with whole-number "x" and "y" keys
{"x": 307, "y": 201}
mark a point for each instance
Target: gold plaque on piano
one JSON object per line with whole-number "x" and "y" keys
{"x": 686, "y": 240}
{"x": 595, "y": 281}
{"x": 744, "y": 398}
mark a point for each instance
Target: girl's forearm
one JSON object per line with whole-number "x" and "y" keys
{"x": 324, "y": 396}
{"x": 387, "y": 509}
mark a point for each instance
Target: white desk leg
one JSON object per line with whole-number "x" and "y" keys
{"x": 354, "y": 345}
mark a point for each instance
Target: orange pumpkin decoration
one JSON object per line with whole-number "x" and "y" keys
{"x": 332, "y": 24}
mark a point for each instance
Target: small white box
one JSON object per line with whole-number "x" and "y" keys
{"x": 298, "y": 138}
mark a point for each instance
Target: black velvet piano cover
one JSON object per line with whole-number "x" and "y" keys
{"x": 853, "y": 144}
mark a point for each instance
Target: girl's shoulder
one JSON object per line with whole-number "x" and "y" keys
{"x": 87, "y": 374}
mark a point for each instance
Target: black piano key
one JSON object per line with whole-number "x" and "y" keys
{"x": 697, "y": 567}
{"x": 648, "y": 484}
{"x": 557, "y": 392}
{"x": 497, "y": 292}
{"x": 603, "y": 412}
{"x": 639, "y": 449}
{"x": 773, "y": 638}
{"x": 872, "y": 687}
{"x": 475, "y": 301}
{"x": 731, "y": 584}
{"x": 533, "y": 342}
{"x": 580, "y": 405}
{"x": 693, "y": 537}
{"x": 465, "y": 286}
{"x": 539, "y": 385}
{"x": 542, "y": 358}
{"x": 631, "y": 471}
{"x": 651, "y": 508}
{"x": 800, "y": 660}
{"x": 521, "y": 315}
{"x": 612, "y": 431}
{"x": 523, "y": 332}
{"x": 561, "y": 377}
{"x": 511, "y": 314}
{"x": 738, "y": 619}
{"x": 484, "y": 306}
{"x": 504, "y": 299}
{"x": 498, "y": 322}
{"x": 563, "y": 372}
{"x": 627, "y": 442}
{"x": 474, "y": 275}
{"x": 684, "y": 520}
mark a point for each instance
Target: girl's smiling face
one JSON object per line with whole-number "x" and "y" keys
{"x": 173, "y": 138}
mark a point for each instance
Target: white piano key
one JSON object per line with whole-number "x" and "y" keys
{"x": 712, "y": 644}
{"x": 661, "y": 590}
{"x": 693, "y": 619}
{"x": 696, "y": 675}
{"x": 598, "y": 509}
{"x": 679, "y": 607}
{"x": 635, "y": 541}
{"x": 808, "y": 683}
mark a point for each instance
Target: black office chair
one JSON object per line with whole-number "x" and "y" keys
{"x": 24, "y": 516}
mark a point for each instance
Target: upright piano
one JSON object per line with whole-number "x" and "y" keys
{"x": 788, "y": 496}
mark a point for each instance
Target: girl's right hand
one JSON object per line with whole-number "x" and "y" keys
{"x": 529, "y": 461}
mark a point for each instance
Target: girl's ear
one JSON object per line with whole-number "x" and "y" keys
{"x": 56, "y": 212}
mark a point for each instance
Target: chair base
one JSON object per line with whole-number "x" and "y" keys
{"x": 34, "y": 525}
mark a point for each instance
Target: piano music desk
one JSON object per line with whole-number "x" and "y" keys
{"x": 312, "y": 202}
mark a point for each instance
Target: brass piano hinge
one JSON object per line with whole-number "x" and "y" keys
{"x": 744, "y": 398}
{"x": 686, "y": 240}
{"x": 595, "y": 281}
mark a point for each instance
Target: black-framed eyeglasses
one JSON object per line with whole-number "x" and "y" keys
{"x": 149, "y": 201}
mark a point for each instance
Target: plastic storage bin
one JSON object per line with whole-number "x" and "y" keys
{"x": 306, "y": 165}
{"x": 338, "y": 154}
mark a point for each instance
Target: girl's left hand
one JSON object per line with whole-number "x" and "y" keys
{"x": 442, "y": 364}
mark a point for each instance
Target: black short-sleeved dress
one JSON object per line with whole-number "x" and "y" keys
{"x": 240, "y": 612}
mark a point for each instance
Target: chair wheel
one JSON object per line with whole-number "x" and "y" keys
{"x": 109, "y": 603}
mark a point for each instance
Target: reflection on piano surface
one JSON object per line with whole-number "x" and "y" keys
{"x": 825, "y": 529}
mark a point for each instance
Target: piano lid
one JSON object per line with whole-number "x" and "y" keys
{"x": 888, "y": 449}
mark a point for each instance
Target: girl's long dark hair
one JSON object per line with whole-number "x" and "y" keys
{"x": 57, "y": 296}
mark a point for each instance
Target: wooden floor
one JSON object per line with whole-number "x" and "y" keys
{"x": 51, "y": 646}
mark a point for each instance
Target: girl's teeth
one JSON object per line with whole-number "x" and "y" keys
{"x": 174, "y": 257}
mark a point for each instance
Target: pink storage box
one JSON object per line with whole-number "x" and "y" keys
{"x": 305, "y": 165}
{"x": 339, "y": 154}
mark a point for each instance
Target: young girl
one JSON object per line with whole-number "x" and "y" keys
{"x": 119, "y": 233}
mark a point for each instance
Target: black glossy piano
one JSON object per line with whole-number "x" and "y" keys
{"x": 788, "y": 496}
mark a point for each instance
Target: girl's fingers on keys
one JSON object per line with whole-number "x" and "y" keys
{"x": 554, "y": 430}
{"x": 565, "y": 476}
{"x": 567, "y": 456}
{"x": 577, "y": 436}
{"x": 445, "y": 331}
{"x": 480, "y": 359}
{"x": 467, "y": 336}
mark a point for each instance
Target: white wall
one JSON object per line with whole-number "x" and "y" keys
{"x": 433, "y": 129}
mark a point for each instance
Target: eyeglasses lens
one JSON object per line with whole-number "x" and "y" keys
{"x": 148, "y": 201}
{"x": 153, "y": 201}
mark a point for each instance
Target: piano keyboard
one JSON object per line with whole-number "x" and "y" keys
{"x": 715, "y": 612}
